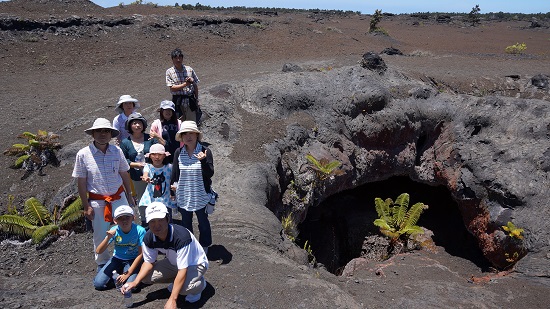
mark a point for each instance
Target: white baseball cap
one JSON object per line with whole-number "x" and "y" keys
{"x": 155, "y": 210}
{"x": 123, "y": 210}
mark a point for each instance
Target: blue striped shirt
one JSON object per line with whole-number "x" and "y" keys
{"x": 190, "y": 194}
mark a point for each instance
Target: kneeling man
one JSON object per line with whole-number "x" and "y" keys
{"x": 185, "y": 262}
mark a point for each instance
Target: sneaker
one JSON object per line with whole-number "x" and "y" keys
{"x": 193, "y": 298}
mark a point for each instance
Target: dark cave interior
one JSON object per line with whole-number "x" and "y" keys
{"x": 336, "y": 228}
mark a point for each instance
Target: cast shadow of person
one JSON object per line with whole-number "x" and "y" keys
{"x": 163, "y": 293}
{"x": 215, "y": 253}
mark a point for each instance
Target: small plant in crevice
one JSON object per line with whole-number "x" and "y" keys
{"x": 513, "y": 231}
{"x": 514, "y": 249}
{"x": 324, "y": 168}
{"x": 290, "y": 228}
{"x": 396, "y": 220}
{"x": 310, "y": 257}
{"x": 37, "y": 222}
{"x": 38, "y": 152}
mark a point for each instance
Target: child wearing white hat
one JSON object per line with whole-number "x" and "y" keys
{"x": 127, "y": 255}
{"x": 157, "y": 176}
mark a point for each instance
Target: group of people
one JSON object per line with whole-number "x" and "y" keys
{"x": 165, "y": 169}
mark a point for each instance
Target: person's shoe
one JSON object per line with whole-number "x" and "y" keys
{"x": 193, "y": 298}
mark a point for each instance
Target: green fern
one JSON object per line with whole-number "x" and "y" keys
{"x": 397, "y": 219}
{"x": 15, "y": 224}
{"x": 36, "y": 213}
{"x": 72, "y": 213}
{"x": 43, "y": 231}
{"x": 37, "y": 222}
{"x": 323, "y": 167}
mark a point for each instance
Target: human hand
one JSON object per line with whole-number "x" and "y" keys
{"x": 89, "y": 213}
{"x": 122, "y": 278}
{"x": 110, "y": 233}
{"x": 127, "y": 287}
{"x": 170, "y": 304}
{"x": 201, "y": 155}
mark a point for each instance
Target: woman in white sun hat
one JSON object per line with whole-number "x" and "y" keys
{"x": 124, "y": 107}
{"x": 192, "y": 171}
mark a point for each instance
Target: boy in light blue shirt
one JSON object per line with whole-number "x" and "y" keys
{"x": 127, "y": 256}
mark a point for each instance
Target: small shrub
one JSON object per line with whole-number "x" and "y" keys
{"x": 38, "y": 152}
{"x": 376, "y": 17}
{"x": 516, "y": 49}
{"x": 473, "y": 16}
{"x": 257, "y": 25}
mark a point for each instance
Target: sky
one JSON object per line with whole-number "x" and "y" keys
{"x": 368, "y": 7}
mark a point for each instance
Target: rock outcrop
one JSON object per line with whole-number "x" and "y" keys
{"x": 491, "y": 153}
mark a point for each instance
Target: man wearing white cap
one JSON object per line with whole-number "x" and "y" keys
{"x": 103, "y": 181}
{"x": 185, "y": 262}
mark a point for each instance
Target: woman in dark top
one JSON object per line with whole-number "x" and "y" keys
{"x": 134, "y": 148}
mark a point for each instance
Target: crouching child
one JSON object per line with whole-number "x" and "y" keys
{"x": 127, "y": 255}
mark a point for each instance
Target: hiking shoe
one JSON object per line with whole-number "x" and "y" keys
{"x": 192, "y": 298}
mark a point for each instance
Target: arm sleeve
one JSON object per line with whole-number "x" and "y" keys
{"x": 175, "y": 176}
{"x": 208, "y": 165}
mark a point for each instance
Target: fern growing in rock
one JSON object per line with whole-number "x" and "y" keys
{"x": 324, "y": 168}
{"x": 38, "y": 152}
{"x": 37, "y": 222}
{"x": 396, "y": 219}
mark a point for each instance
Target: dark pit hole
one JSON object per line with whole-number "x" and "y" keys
{"x": 335, "y": 229}
{"x": 477, "y": 129}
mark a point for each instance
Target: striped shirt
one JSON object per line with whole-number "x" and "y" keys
{"x": 175, "y": 77}
{"x": 190, "y": 194}
{"x": 101, "y": 170}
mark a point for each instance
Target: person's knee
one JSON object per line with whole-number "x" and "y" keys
{"x": 100, "y": 285}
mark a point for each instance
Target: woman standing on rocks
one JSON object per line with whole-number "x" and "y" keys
{"x": 192, "y": 172}
{"x": 134, "y": 148}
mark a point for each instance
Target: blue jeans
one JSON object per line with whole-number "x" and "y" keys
{"x": 205, "y": 236}
{"x": 106, "y": 272}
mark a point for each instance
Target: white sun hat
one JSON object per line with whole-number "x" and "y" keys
{"x": 188, "y": 126}
{"x": 126, "y": 98}
{"x": 102, "y": 123}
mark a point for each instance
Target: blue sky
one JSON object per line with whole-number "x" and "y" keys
{"x": 368, "y": 7}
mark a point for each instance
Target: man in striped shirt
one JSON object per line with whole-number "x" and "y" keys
{"x": 182, "y": 82}
{"x": 101, "y": 172}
